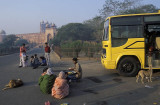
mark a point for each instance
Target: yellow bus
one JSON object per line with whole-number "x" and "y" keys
{"x": 126, "y": 42}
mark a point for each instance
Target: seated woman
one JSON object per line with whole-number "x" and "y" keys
{"x": 60, "y": 88}
{"x": 46, "y": 81}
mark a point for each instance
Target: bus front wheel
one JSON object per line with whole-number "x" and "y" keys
{"x": 128, "y": 66}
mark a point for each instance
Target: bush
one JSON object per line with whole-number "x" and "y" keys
{"x": 72, "y": 49}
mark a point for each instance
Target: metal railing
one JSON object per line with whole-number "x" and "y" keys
{"x": 84, "y": 52}
{"x": 8, "y": 50}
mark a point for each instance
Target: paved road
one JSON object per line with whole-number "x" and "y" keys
{"x": 98, "y": 86}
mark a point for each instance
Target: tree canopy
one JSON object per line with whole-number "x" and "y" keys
{"x": 149, "y": 8}
{"x": 9, "y": 40}
{"x": 116, "y": 7}
{"x": 20, "y": 42}
{"x": 72, "y": 32}
{"x": 97, "y": 25}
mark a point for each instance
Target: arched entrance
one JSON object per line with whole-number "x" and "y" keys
{"x": 49, "y": 37}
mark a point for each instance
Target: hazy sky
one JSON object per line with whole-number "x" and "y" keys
{"x": 24, "y": 16}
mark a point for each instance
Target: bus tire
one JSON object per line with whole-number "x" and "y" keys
{"x": 128, "y": 66}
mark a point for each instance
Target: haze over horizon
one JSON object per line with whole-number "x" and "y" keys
{"x": 18, "y": 17}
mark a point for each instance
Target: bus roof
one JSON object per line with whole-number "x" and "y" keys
{"x": 141, "y": 14}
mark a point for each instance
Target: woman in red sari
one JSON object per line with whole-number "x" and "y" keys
{"x": 60, "y": 88}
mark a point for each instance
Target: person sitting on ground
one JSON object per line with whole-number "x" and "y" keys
{"x": 32, "y": 61}
{"x": 67, "y": 76}
{"x": 46, "y": 81}
{"x": 43, "y": 61}
{"x": 26, "y": 61}
{"x": 77, "y": 68}
{"x": 36, "y": 62}
{"x": 60, "y": 88}
{"x": 44, "y": 71}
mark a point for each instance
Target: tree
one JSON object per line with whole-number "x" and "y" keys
{"x": 97, "y": 25}
{"x": 114, "y": 7}
{"x": 9, "y": 40}
{"x": 72, "y": 48}
{"x": 7, "y": 45}
{"x": 72, "y": 32}
{"x": 76, "y": 45}
{"x": 20, "y": 42}
{"x": 149, "y": 8}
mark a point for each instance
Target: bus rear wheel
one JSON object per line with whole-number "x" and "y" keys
{"x": 128, "y": 66}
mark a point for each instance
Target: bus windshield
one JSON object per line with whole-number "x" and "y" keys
{"x": 106, "y": 28}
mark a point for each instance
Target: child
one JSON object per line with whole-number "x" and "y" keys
{"x": 43, "y": 59}
{"x": 69, "y": 76}
{"x": 26, "y": 61}
{"x": 32, "y": 61}
{"x": 44, "y": 71}
{"x": 36, "y": 62}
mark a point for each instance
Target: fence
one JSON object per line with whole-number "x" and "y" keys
{"x": 84, "y": 52}
{"x": 8, "y": 50}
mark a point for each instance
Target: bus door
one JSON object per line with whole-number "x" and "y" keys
{"x": 152, "y": 41}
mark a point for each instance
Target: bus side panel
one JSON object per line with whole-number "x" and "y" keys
{"x": 133, "y": 47}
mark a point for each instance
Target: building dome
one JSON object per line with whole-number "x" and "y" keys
{"x": 47, "y": 22}
{"x": 53, "y": 25}
{"x": 42, "y": 21}
{"x": 2, "y": 32}
{"x": 47, "y": 25}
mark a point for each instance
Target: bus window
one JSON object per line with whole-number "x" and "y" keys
{"x": 120, "y": 34}
{"x": 106, "y": 28}
{"x": 127, "y": 32}
{"x": 134, "y": 20}
{"x": 151, "y": 18}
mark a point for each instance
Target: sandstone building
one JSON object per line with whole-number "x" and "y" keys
{"x": 47, "y": 32}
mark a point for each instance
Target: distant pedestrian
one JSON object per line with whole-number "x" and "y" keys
{"x": 51, "y": 47}
{"x": 47, "y": 53}
{"x": 22, "y": 54}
